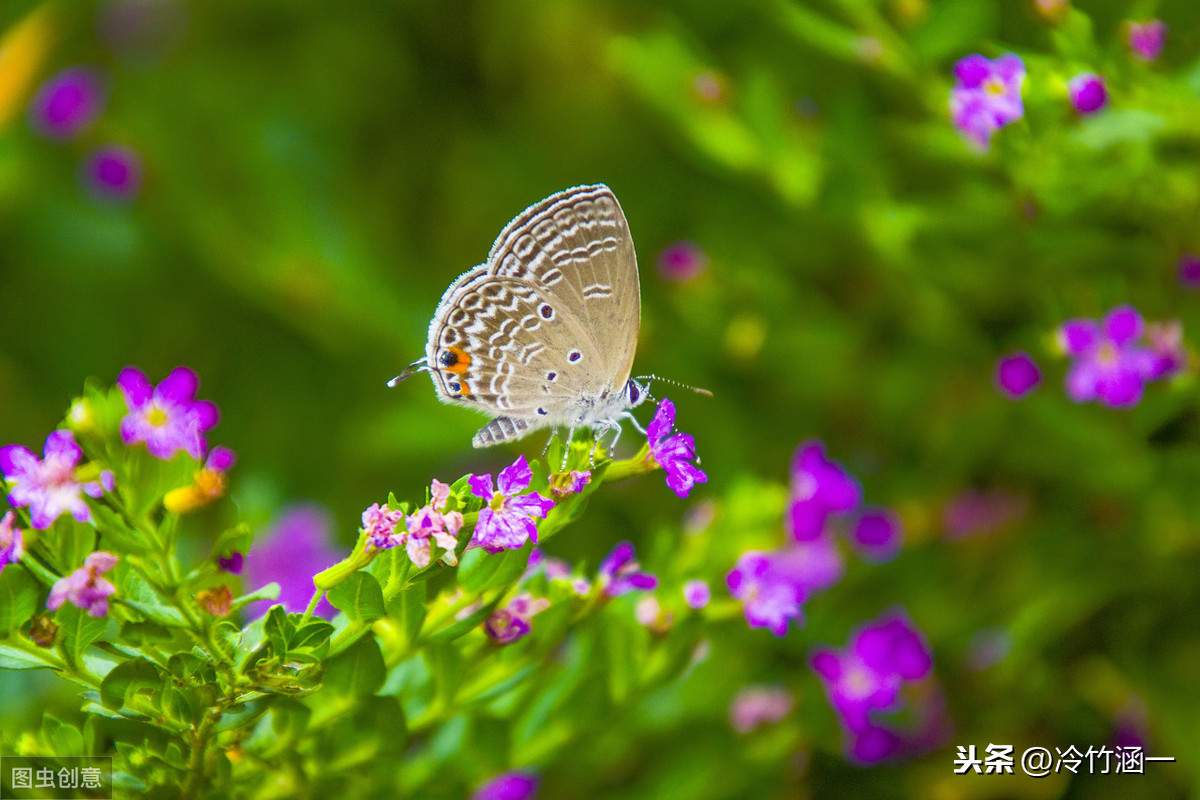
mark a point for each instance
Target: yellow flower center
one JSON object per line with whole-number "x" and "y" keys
{"x": 157, "y": 417}
{"x": 993, "y": 86}
{"x": 1107, "y": 355}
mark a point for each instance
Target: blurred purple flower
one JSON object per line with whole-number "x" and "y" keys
{"x": 84, "y": 587}
{"x": 987, "y": 648}
{"x": 682, "y": 262}
{"x": 507, "y": 625}
{"x": 987, "y": 96}
{"x": 113, "y": 173}
{"x": 166, "y": 417}
{"x": 12, "y": 542}
{"x": 820, "y": 487}
{"x": 770, "y": 594}
{"x": 506, "y": 522}
{"x": 696, "y": 593}
{"x": 1166, "y": 342}
{"x": 1087, "y": 92}
{"x": 755, "y": 706}
{"x": 48, "y": 486}
{"x": 555, "y": 568}
{"x": 1017, "y": 375}
{"x": 874, "y": 743}
{"x": 1146, "y": 39}
{"x": 620, "y": 572}
{"x": 509, "y": 786}
{"x": 290, "y": 553}
{"x": 1189, "y": 270}
{"x": 673, "y": 453}
{"x": 810, "y": 566}
{"x": 1109, "y": 364}
{"x": 867, "y": 676}
{"x": 978, "y": 513}
{"x": 141, "y": 29}
{"x": 66, "y": 103}
{"x": 878, "y": 534}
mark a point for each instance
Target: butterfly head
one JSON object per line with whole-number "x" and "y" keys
{"x": 636, "y": 393}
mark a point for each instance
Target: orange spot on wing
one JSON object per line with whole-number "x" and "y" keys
{"x": 461, "y": 363}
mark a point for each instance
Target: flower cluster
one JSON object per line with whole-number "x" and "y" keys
{"x": 673, "y": 452}
{"x": 865, "y": 681}
{"x": 1113, "y": 359}
{"x": 986, "y": 96}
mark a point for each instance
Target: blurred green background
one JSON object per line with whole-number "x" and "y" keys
{"x": 317, "y": 173}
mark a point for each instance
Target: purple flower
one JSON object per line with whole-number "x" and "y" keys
{"x": 507, "y": 625}
{"x": 506, "y": 522}
{"x": 12, "y": 543}
{"x": 650, "y": 614}
{"x": 987, "y": 96}
{"x": 232, "y": 563}
{"x": 49, "y": 486}
{"x": 563, "y": 484}
{"x": 84, "y": 587}
{"x": 1108, "y": 363}
{"x": 509, "y": 786}
{"x": 820, "y": 487}
{"x": 429, "y": 526}
{"x": 67, "y": 103}
{"x": 113, "y": 173}
{"x": 696, "y": 593}
{"x": 1146, "y": 39}
{"x": 1166, "y": 342}
{"x": 673, "y": 453}
{"x": 768, "y": 589}
{"x": 878, "y": 534}
{"x": 1017, "y": 375}
{"x": 681, "y": 262}
{"x": 755, "y": 706}
{"x": 867, "y": 677}
{"x": 873, "y": 743}
{"x": 166, "y": 417}
{"x": 1189, "y": 270}
{"x": 555, "y": 568}
{"x": 620, "y": 572}
{"x": 379, "y": 523}
{"x": 1087, "y": 92}
{"x": 810, "y": 566}
{"x": 290, "y": 553}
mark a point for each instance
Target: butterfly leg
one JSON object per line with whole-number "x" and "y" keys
{"x": 567, "y": 449}
{"x": 549, "y": 441}
{"x": 637, "y": 426}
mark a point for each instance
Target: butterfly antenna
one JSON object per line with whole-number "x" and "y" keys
{"x": 420, "y": 365}
{"x": 695, "y": 389}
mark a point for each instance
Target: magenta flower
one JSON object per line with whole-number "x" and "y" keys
{"x": 48, "y": 486}
{"x": 428, "y": 526}
{"x": 874, "y": 743}
{"x": 1087, "y": 92}
{"x": 294, "y": 549}
{"x": 231, "y": 563}
{"x": 507, "y": 625}
{"x": 1147, "y": 39}
{"x": 810, "y": 566}
{"x": 509, "y": 786}
{"x": 506, "y": 522}
{"x": 1166, "y": 342}
{"x": 867, "y": 677}
{"x": 620, "y": 572}
{"x": 682, "y": 262}
{"x": 1017, "y": 375}
{"x": 84, "y": 587}
{"x": 820, "y": 487}
{"x": 1189, "y": 270}
{"x": 767, "y": 586}
{"x": 67, "y": 103}
{"x": 12, "y": 542}
{"x": 673, "y": 453}
{"x": 113, "y": 173}
{"x": 166, "y": 417}
{"x": 379, "y": 524}
{"x": 1109, "y": 365}
{"x": 755, "y": 706}
{"x": 696, "y": 593}
{"x": 555, "y": 569}
{"x": 878, "y": 534}
{"x": 987, "y": 96}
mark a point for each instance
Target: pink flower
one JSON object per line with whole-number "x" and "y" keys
{"x": 48, "y": 486}
{"x": 1147, "y": 39}
{"x": 755, "y": 706}
{"x": 696, "y": 593}
{"x": 506, "y": 522}
{"x": 84, "y": 587}
{"x": 67, "y": 103}
{"x": 1087, "y": 92}
{"x": 987, "y": 96}
{"x": 379, "y": 523}
{"x": 166, "y": 417}
{"x": 12, "y": 543}
{"x": 507, "y": 625}
{"x": 673, "y": 452}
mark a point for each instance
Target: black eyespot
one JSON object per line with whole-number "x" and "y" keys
{"x": 448, "y": 358}
{"x": 551, "y": 376}
{"x": 542, "y": 411}
{"x": 546, "y": 311}
{"x": 455, "y": 387}
{"x": 574, "y": 355}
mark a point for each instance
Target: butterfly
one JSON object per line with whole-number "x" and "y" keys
{"x": 543, "y": 333}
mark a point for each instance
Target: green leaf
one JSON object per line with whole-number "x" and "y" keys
{"x": 277, "y": 628}
{"x": 448, "y": 668}
{"x": 358, "y": 671}
{"x": 18, "y": 597}
{"x": 359, "y": 596}
{"x": 126, "y": 677}
{"x": 139, "y": 595}
{"x": 140, "y": 633}
{"x": 77, "y": 631}
{"x": 114, "y": 530}
{"x": 408, "y": 609}
{"x": 12, "y": 658}
{"x": 68, "y": 544}
{"x": 466, "y": 624}
{"x": 64, "y": 739}
{"x": 477, "y": 568}
{"x": 268, "y": 592}
{"x": 313, "y": 634}
{"x": 953, "y": 27}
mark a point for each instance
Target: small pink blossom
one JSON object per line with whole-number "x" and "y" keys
{"x": 84, "y": 587}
